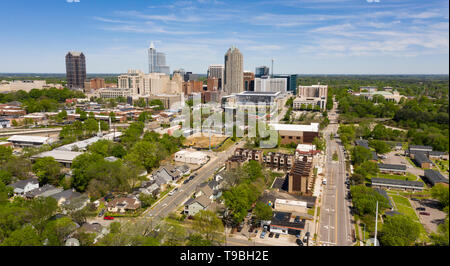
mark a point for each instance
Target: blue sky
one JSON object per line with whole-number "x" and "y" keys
{"x": 303, "y": 36}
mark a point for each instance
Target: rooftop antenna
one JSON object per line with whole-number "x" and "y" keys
{"x": 272, "y": 67}
{"x": 99, "y": 134}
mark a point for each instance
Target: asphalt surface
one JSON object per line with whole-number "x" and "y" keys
{"x": 334, "y": 227}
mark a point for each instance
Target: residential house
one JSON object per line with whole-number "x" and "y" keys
{"x": 194, "y": 205}
{"x": 44, "y": 191}
{"x": 165, "y": 175}
{"x": 23, "y": 186}
{"x": 123, "y": 204}
{"x": 66, "y": 196}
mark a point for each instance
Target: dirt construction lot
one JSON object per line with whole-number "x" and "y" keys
{"x": 201, "y": 140}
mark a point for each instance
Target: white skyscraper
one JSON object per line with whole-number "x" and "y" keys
{"x": 157, "y": 61}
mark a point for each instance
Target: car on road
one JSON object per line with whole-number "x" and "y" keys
{"x": 415, "y": 199}
{"x": 101, "y": 213}
{"x": 299, "y": 242}
{"x": 173, "y": 192}
{"x": 420, "y": 209}
{"x": 191, "y": 177}
{"x": 324, "y": 182}
{"x": 108, "y": 218}
{"x": 424, "y": 213}
{"x": 271, "y": 234}
{"x": 263, "y": 234}
{"x": 277, "y": 235}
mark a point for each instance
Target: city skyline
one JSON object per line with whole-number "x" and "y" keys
{"x": 303, "y": 36}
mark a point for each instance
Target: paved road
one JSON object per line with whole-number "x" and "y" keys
{"x": 171, "y": 203}
{"x": 334, "y": 227}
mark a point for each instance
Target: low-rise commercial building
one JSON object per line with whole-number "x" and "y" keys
{"x": 298, "y": 134}
{"x": 64, "y": 157}
{"x": 191, "y": 157}
{"x": 434, "y": 177}
{"x": 392, "y": 168}
{"x": 397, "y": 184}
{"x": 29, "y": 141}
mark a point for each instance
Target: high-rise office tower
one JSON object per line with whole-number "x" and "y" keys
{"x": 75, "y": 69}
{"x": 261, "y": 71}
{"x": 234, "y": 71}
{"x": 216, "y": 71}
{"x": 157, "y": 61}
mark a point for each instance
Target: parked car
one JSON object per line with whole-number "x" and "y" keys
{"x": 415, "y": 199}
{"x": 297, "y": 219}
{"x": 173, "y": 192}
{"x": 420, "y": 208}
{"x": 108, "y": 218}
{"x": 101, "y": 213}
{"x": 277, "y": 235}
{"x": 256, "y": 231}
{"x": 186, "y": 181}
{"x": 424, "y": 213}
{"x": 271, "y": 234}
{"x": 298, "y": 234}
{"x": 250, "y": 230}
{"x": 299, "y": 242}
{"x": 263, "y": 234}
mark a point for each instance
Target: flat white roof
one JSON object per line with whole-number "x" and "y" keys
{"x": 306, "y": 147}
{"x": 59, "y": 155}
{"x": 27, "y": 138}
{"x": 290, "y": 202}
{"x": 192, "y": 154}
{"x": 313, "y": 127}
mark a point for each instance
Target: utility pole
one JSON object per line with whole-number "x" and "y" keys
{"x": 376, "y": 226}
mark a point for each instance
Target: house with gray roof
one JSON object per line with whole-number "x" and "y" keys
{"x": 165, "y": 175}
{"x": 44, "y": 191}
{"x": 66, "y": 196}
{"x": 23, "y": 186}
{"x": 194, "y": 205}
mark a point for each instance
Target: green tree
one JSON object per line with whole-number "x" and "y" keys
{"x": 380, "y": 146}
{"x": 361, "y": 154}
{"x": 399, "y": 230}
{"x": 57, "y": 231}
{"x": 25, "y": 236}
{"x": 48, "y": 170}
{"x": 441, "y": 193}
{"x": 207, "y": 224}
{"x": 263, "y": 211}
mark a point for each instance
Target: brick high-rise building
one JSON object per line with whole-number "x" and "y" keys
{"x": 234, "y": 71}
{"x": 249, "y": 81}
{"x": 75, "y": 69}
{"x": 97, "y": 83}
{"x": 213, "y": 84}
{"x": 189, "y": 87}
{"x": 299, "y": 178}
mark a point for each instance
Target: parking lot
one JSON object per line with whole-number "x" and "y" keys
{"x": 393, "y": 158}
{"x": 436, "y": 216}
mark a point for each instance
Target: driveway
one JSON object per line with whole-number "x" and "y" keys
{"x": 436, "y": 216}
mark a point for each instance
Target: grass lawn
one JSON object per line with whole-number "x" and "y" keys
{"x": 404, "y": 206}
{"x": 412, "y": 163}
{"x": 442, "y": 165}
{"x": 226, "y": 145}
{"x": 408, "y": 176}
